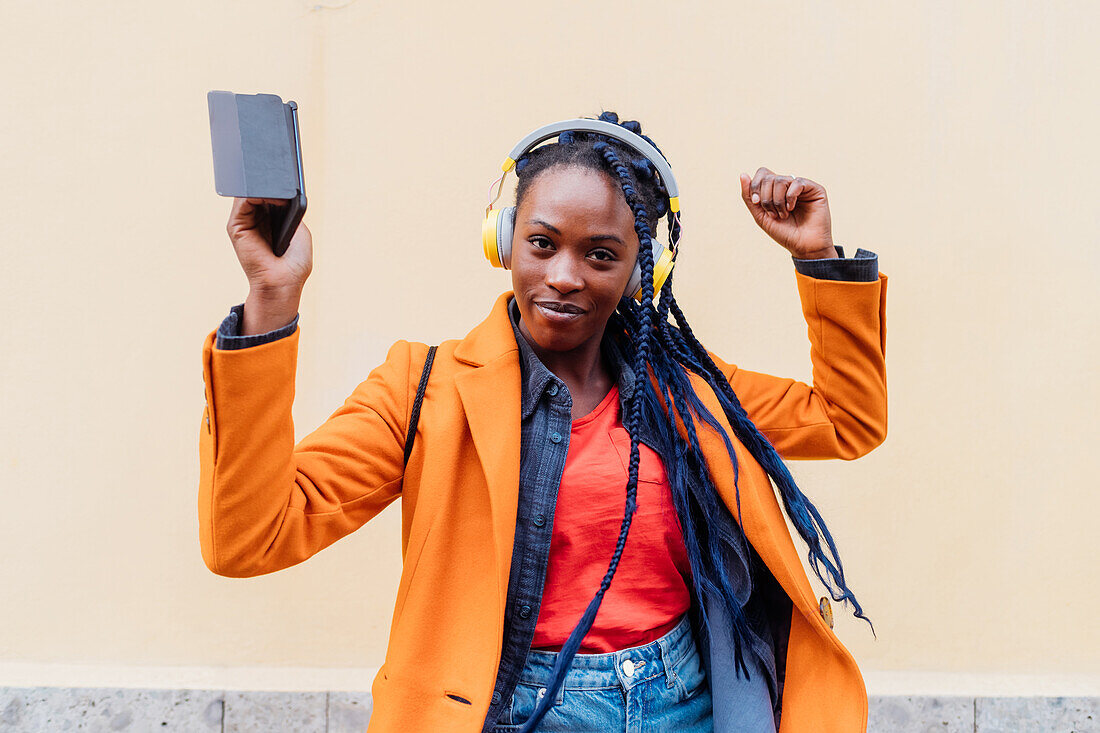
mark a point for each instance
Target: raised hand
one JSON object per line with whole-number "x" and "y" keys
{"x": 793, "y": 211}
{"x": 275, "y": 283}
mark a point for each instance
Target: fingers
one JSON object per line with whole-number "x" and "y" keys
{"x": 250, "y": 215}
{"x": 247, "y": 208}
{"x": 770, "y": 193}
{"x": 794, "y": 191}
{"x": 241, "y": 208}
{"x": 757, "y": 181}
{"x": 762, "y": 191}
{"x": 775, "y": 194}
{"x": 781, "y": 195}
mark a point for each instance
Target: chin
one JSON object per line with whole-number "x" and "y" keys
{"x": 561, "y": 344}
{"x": 555, "y": 336}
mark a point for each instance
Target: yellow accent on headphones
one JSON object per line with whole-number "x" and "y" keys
{"x": 498, "y": 227}
{"x": 662, "y": 268}
{"x": 489, "y": 237}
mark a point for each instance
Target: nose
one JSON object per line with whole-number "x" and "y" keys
{"x": 563, "y": 273}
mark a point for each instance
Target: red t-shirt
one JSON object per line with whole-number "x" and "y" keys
{"x": 650, "y": 590}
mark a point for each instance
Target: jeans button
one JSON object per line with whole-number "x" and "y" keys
{"x": 628, "y": 668}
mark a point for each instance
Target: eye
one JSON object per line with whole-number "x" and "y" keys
{"x": 603, "y": 255}
{"x": 541, "y": 243}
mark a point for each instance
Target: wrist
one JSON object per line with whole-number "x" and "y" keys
{"x": 820, "y": 254}
{"x": 266, "y": 311}
{"x": 274, "y": 293}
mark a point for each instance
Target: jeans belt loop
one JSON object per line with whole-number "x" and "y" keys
{"x": 667, "y": 662}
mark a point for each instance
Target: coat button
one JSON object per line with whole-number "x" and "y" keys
{"x": 539, "y": 520}
{"x": 826, "y": 610}
{"x": 524, "y": 611}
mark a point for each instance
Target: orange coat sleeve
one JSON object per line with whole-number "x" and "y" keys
{"x": 266, "y": 504}
{"x": 843, "y": 415}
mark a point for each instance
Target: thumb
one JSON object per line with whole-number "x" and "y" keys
{"x": 756, "y": 210}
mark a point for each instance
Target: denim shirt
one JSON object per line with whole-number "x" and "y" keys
{"x": 545, "y": 425}
{"x": 546, "y": 422}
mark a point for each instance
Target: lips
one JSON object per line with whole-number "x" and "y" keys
{"x": 566, "y": 308}
{"x": 557, "y": 312}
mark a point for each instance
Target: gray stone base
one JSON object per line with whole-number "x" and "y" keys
{"x": 49, "y": 709}
{"x": 984, "y": 715}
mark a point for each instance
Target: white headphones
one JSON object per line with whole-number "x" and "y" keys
{"x": 499, "y": 226}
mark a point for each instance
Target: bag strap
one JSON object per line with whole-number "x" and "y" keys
{"x": 410, "y": 436}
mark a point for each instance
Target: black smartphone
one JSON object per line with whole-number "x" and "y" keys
{"x": 257, "y": 150}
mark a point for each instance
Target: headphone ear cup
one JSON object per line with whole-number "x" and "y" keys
{"x": 506, "y": 227}
{"x": 496, "y": 236}
{"x": 662, "y": 268}
{"x": 634, "y": 285}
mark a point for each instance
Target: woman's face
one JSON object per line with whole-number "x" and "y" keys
{"x": 573, "y": 250}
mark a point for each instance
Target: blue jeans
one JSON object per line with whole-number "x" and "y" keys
{"x": 660, "y": 686}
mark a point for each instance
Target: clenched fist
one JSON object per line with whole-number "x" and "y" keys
{"x": 793, "y": 211}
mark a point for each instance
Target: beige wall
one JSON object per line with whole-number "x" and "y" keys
{"x": 956, "y": 140}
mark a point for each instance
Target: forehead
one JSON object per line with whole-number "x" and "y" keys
{"x": 577, "y": 193}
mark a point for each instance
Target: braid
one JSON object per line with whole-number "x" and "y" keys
{"x": 632, "y": 423}
{"x": 664, "y": 353}
{"x": 805, "y": 516}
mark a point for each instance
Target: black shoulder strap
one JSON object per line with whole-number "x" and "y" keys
{"x": 410, "y": 436}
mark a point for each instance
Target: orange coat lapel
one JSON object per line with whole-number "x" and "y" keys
{"x": 490, "y": 397}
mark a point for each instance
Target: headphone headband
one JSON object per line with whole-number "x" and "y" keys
{"x": 610, "y": 129}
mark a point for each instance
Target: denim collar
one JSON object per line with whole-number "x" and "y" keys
{"x": 537, "y": 378}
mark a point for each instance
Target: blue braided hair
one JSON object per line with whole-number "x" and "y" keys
{"x": 718, "y": 550}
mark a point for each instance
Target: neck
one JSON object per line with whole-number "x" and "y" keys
{"x": 582, "y": 368}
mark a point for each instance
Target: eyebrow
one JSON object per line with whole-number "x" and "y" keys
{"x": 555, "y": 230}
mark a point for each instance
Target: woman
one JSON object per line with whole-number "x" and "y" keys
{"x": 531, "y": 427}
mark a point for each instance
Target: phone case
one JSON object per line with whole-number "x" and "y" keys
{"x": 257, "y": 151}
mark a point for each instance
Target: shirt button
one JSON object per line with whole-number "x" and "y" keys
{"x": 539, "y": 520}
{"x": 553, "y": 389}
{"x": 555, "y": 437}
{"x": 496, "y": 697}
{"x": 524, "y": 611}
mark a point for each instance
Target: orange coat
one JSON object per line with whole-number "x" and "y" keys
{"x": 266, "y": 504}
